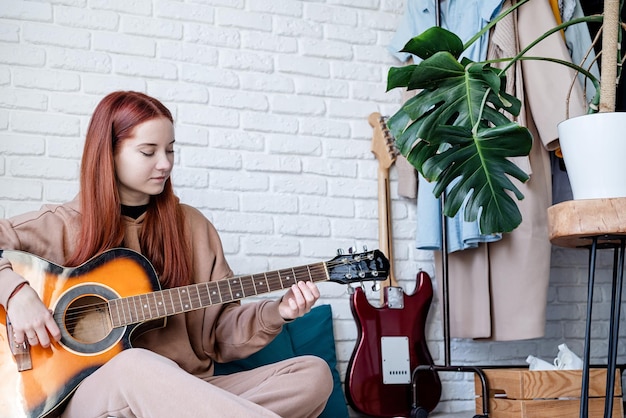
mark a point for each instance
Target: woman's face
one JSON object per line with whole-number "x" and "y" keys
{"x": 144, "y": 161}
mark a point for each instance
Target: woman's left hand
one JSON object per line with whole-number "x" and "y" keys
{"x": 298, "y": 300}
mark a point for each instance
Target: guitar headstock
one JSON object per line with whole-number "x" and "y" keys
{"x": 383, "y": 143}
{"x": 350, "y": 268}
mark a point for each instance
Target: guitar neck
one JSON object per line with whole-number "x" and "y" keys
{"x": 145, "y": 307}
{"x": 385, "y": 240}
{"x": 385, "y": 151}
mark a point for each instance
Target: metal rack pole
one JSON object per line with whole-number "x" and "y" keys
{"x": 444, "y": 284}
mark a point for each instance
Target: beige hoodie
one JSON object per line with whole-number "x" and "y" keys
{"x": 193, "y": 339}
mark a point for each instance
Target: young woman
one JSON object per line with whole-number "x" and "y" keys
{"x": 126, "y": 200}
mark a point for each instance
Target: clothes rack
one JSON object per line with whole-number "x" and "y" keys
{"x": 595, "y": 229}
{"x": 417, "y": 411}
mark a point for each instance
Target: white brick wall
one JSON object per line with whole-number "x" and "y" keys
{"x": 271, "y": 99}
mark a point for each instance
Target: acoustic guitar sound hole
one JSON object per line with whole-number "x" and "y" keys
{"x": 87, "y": 319}
{"x": 86, "y": 326}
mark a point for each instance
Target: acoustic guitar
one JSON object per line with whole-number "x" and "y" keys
{"x": 101, "y": 305}
{"x": 391, "y": 338}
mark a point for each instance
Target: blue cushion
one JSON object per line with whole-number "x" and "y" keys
{"x": 279, "y": 349}
{"x": 311, "y": 334}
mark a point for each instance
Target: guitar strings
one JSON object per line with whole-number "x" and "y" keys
{"x": 74, "y": 314}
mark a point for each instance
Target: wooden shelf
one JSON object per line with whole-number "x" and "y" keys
{"x": 574, "y": 222}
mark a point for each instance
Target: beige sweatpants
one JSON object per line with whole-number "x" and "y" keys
{"x": 140, "y": 383}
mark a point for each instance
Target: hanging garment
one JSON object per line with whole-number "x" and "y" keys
{"x": 499, "y": 290}
{"x": 464, "y": 18}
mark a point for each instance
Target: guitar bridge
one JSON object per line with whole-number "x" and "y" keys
{"x": 21, "y": 352}
{"x": 396, "y": 360}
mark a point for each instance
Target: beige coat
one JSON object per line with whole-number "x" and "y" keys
{"x": 499, "y": 290}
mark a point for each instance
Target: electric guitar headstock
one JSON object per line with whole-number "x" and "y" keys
{"x": 383, "y": 143}
{"x": 358, "y": 267}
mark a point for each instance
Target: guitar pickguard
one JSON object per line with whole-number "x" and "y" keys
{"x": 396, "y": 361}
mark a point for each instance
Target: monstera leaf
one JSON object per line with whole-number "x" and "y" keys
{"x": 455, "y": 132}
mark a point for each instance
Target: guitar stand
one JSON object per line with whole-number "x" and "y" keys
{"x": 418, "y": 411}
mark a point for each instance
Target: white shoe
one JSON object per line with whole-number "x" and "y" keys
{"x": 567, "y": 360}
{"x": 539, "y": 364}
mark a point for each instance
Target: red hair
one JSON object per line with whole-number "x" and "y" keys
{"x": 162, "y": 237}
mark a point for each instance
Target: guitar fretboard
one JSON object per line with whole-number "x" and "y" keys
{"x": 140, "y": 308}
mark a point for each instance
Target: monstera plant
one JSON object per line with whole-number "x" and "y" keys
{"x": 455, "y": 131}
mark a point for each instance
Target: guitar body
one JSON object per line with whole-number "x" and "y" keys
{"x": 391, "y": 341}
{"x": 88, "y": 339}
{"x": 390, "y": 345}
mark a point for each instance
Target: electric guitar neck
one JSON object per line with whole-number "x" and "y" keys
{"x": 384, "y": 149}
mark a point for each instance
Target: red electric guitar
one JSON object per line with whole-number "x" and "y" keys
{"x": 101, "y": 305}
{"x": 391, "y": 341}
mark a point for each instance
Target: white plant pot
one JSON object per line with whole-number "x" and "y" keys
{"x": 594, "y": 150}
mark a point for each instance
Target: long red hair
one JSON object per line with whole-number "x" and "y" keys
{"x": 162, "y": 236}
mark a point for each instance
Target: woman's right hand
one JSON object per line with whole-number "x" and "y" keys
{"x": 30, "y": 319}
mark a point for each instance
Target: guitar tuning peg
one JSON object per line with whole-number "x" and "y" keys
{"x": 350, "y": 250}
{"x": 339, "y": 251}
{"x": 376, "y": 287}
{"x": 365, "y": 248}
{"x": 350, "y": 290}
